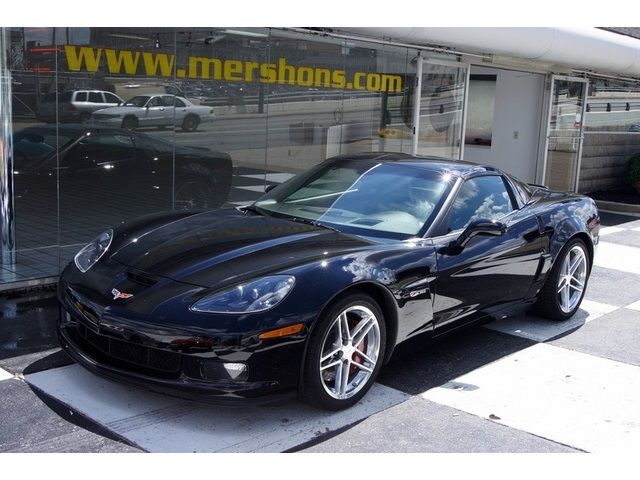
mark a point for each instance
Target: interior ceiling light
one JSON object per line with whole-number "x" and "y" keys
{"x": 127, "y": 35}
{"x": 244, "y": 33}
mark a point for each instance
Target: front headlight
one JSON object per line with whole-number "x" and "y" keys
{"x": 255, "y": 296}
{"x": 91, "y": 253}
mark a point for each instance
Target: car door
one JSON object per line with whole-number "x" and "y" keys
{"x": 155, "y": 113}
{"x": 111, "y": 100}
{"x": 180, "y": 110}
{"x": 491, "y": 272}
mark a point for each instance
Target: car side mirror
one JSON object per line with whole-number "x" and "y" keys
{"x": 482, "y": 226}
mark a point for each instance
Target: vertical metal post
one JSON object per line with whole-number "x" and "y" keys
{"x": 585, "y": 96}
{"x": 465, "y": 104}
{"x": 7, "y": 225}
{"x": 416, "y": 104}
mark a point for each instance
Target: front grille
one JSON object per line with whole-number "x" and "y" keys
{"x": 127, "y": 355}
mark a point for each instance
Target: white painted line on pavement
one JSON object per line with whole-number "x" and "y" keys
{"x": 634, "y": 306}
{"x": 253, "y": 188}
{"x": 272, "y": 177}
{"x": 608, "y": 230}
{"x": 160, "y": 423}
{"x": 540, "y": 329}
{"x": 569, "y": 397}
{"x": 618, "y": 257}
{"x": 4, "y": 375}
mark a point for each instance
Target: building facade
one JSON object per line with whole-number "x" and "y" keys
{"x": 101, "y": 125}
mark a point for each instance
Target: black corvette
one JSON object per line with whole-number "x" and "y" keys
{"x": 311, "y": 288}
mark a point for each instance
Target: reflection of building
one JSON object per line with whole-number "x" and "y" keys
{"x": 284, "y": 99}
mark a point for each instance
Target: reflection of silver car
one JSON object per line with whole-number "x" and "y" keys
{"x": 155, "y": 111}
{"x": 76, "y": 105}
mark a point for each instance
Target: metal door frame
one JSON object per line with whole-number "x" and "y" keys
{"x": 547, "y": 130}
{"x": 420, "y": 61}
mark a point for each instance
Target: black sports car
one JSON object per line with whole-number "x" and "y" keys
{"x": 83, "y": 168}
{"x": 311, "y": 288}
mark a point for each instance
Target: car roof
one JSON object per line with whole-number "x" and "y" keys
{"x": 459, "y": 168}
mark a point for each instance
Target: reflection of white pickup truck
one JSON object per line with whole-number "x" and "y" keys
{"x": 155, "y": 111}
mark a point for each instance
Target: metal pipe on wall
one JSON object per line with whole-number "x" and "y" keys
{"x": 7, "y": 225}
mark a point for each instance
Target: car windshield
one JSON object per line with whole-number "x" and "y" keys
{"x": 137, "y": 101}
{"x": 362, "y": 197}
{"x": 33, "y": 145}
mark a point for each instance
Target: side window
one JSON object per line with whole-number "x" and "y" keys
{"x": 99, "y": 149}
{"x": 480, "y": 197}
{"x": 155, "y": 102}
{"x": 180, "y": 103}
{"x": 111, "y": 98}
{"x": 81, "y": 97}
{"x": 95, "y": 97}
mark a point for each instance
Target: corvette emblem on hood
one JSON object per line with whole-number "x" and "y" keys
{"x": 118, "y": 294}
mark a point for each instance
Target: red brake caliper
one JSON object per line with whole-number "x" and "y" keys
{"x": 358, "y": 358}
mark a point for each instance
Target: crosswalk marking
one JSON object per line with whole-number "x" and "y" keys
{"x": 159, "y": 423}
{"x": 4, "y": 375}
{"x": 541, "y": 330}
{"x": 271, "y": 177}
{"x": 252, "y": 188}
{"x": 608, "y": 230}
{"x": 577, "y": 399}
{"x": 618, "y": 257}
{"x": 634, "y": 306}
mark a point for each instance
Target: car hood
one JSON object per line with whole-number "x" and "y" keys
{"x": 226, "y": 246}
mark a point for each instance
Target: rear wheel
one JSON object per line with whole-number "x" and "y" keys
{"x": 129, "y": 123}
{"x": 190, "y": 123}
{"x": 562, "y": 293}
{"x": 194, "y": 194}
{"x": 345, "y": 353}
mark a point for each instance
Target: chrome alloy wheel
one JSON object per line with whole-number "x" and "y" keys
{"x": 350, "y": 352}
{"x": 572, "y": 278}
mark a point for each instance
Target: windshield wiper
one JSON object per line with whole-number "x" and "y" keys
{"x": 249, "y": 208}
{"x": 315, "y": 223}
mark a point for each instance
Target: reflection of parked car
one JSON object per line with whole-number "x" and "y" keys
{"x": 311, "y": 288}
{"x": 76, "y": 105}
{"x": 117, "y": 170}
{"x": 155, "y": 111}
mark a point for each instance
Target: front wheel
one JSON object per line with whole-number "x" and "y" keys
{"x": 562, "y": 293}
{"x": 345, "y": 353}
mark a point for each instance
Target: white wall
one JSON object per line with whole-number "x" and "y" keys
{"x": 518, "y": 107}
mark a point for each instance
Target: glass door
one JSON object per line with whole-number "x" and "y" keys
{"x": 440, "y": 108}
{"x": 564, "y": 133}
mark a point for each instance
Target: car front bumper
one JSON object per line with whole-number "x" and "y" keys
{"x": 182, "y": 364}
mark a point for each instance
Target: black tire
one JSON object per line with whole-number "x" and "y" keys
{"x": 190, "y": 123}
{"x": 315, "y": 386}
{"x": 548, "y": 304}
{"x": 129, "y": 123}
{"x": 194, "y": 193}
